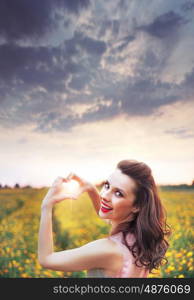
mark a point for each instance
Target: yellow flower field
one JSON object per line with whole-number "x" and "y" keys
{"x": 76, "y": 223}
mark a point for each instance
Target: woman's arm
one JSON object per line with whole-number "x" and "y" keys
{"x": 54, "y": 195}
{"x": 45, "y": 239}
{"x": 95, "y": 197}
{"x": 96, "y": 254}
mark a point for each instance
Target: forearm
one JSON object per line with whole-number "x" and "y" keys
{"x": 45, "y": 239}
{"x": 95, "y": 197}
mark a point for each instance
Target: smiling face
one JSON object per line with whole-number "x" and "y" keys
{"x": 117, "y": 194}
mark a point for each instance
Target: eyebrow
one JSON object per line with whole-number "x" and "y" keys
{"x": 125, "y": 193}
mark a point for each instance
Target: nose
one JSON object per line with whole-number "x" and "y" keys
{"x": 105, "y": 197}
{"x": 105, "y": 200}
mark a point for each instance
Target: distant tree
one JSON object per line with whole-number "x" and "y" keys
{"x": 27, "y": 187}
{"x": 192, "y": 183}
{"x": 1, "y": 186}
{"x": 17, "y": 186}
{"x": 6, "y": 186}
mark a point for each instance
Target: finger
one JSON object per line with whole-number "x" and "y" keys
{"x": 76, "y": 177}
{"x": 82, "y": 189}
{"x": 65, "y": 179}
{"x": 58, "y": 180}
{"x": 69, "y": 177}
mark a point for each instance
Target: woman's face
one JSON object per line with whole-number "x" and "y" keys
{"x": 117, "y": 194}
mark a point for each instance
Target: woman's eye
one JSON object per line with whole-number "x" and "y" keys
{"x": 119, "y": 194}
{"x": 106, "y": 185}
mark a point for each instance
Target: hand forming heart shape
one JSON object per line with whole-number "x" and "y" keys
{"x": 71, "y": 188}
{"x": 61, "y": 189}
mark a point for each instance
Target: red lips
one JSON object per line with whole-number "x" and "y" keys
{"x": 104, "y": 204}
{"x": 105, "y": 210}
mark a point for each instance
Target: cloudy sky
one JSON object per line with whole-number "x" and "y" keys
{"x": 85, "y": 84}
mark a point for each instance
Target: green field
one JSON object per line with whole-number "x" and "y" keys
{"x": 76, "y": 223}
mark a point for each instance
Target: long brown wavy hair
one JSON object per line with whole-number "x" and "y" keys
{"x": 148, "y": 224}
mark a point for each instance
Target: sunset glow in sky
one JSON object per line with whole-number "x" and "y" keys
{"x": 85, "y": 84}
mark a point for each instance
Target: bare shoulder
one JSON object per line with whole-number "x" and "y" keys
{"x": 112, "y": 258}
{"x": 105, "y": 245}
{"x": 110, "y": 252}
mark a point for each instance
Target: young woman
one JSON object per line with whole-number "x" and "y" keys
{"x": 130, "y": 203}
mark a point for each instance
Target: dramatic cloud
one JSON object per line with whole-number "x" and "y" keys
{"x": 164, "y": 25}
{"x": 24, "y": 19}
{"x": 188, "y": 6}
{"x": 65, "y": 63}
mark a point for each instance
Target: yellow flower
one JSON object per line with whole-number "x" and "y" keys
{"x": 178, "y": 254}
{"x": 33, "y": 255}
{"x": 189, "y": 263}
{"x": 181, "y": 276}
{"x": 189, "y": 254}
{"x": 183, "y": 261}
{"x": 170, "y": 268}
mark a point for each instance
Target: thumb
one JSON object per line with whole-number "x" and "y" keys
{"x": 70, "y": 176}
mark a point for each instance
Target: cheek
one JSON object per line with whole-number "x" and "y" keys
{"x": 118, "y": 203}
{"x": 121, "y": 205}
